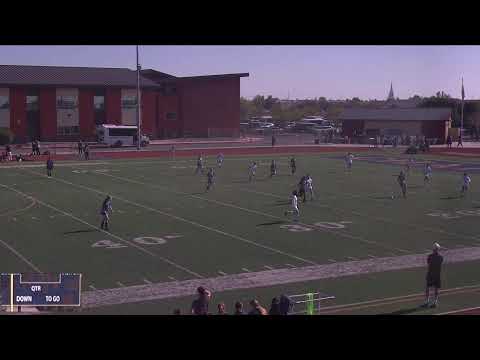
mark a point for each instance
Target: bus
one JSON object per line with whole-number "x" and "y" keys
{"x": 119, "y": 135}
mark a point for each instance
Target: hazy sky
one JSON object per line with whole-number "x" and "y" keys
{"x": 335, "y": 72}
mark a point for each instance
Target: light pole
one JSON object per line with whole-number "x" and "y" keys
{"x": 139, "y": 132}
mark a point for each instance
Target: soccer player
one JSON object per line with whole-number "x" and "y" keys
{"x": 349, "y": 161}
{"x": 294, "y": 205}
{"x": 310, "y": 186}
{"x": 252, "y": 171}
{"x": 427, "y": 174}
{"x": 105, "y": 211}
{"x": 402, "y": 181}
{"x": 86, "y": 151}
{"x": 465, "y": 183}
{"x": 80, "y": 147}
{"x": 49, "y": 166}
{"x": 410, "y": 164}
{"x": 210, "y": 178}
{"x": 199, "y": 165}
{"x": 273, "y": 168}
{"x": 301, "y": 188}
{"x": 293, "y": 165}
{"x": 220, "y": 158}
{"x": 434, "y": 261}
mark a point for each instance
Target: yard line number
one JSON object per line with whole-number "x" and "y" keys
{"x": 320, "y": 224}
{"x": 455, "y": 214}
{"x": 143, "y": 240}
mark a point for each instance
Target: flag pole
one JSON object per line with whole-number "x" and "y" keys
{"x": 461, "y": 119}
{"x": 139, "y": 132}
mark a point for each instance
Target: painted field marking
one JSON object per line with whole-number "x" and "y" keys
{"x": 352, "y": 258}
{"x": 146, "y": 281}
{"x": 371, "y": 256}
{"x": 245, "y": 269}
{"x": 92, "y": 287}
{"x": 180, "y": 219}
{"x": 20, "y": 256}
{"x": 222, "y": 273}
{"x": 332, "y": 260}
{"x": 14, "y": 212}
{"x": 460, "y": 311}
{"x": 172, "y": 278}
{"x": 34, "y": 218}
{"x": 120, "y": 284}
{"x": 268, "y": 267}
{"x": 14, "y": 219}
{"x": 260, "y": 213}
{"x": 290, "y": 265}
{"x": 103, "y": 231}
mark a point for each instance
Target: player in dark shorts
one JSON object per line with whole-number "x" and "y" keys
{"x": 293, "y": 165}
{"x": 210, "y": 179}
{"x": 273, "y": 169}
{"x": 86, "y": 151}
{"x": 105, "y": 211}
{"x": 80, "y": 147}
{"x": 434, "y": 261}
{"x": 199, "y": 165}
{"x": 302, "y": 185}
{"x": 402, "y": 181}
{"x": 49, "y": 167}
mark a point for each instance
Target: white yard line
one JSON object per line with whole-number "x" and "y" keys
{"x": 268, "y": 267}
{"x": 290, "y": 265}
{"x": 120, "y": 284}
{"x": 103, "y": 231}
{"x": 146, "y": 281}
{"x": 184, "y": 220}
{"x": 92, "y": 287}
{"x": 346, "y": 235}
{"x": 222, "y": 273}
{"x": 267, "y": 278}
{"x": 20, "y": 256}
{"x": 246, "y": 270}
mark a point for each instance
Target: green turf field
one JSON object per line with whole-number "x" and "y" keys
{"x": 165, "y": 228}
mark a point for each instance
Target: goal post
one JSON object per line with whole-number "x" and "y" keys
{"x": 310, "y": 302}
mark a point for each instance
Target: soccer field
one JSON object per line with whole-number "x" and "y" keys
{"x": 166, "y": 229}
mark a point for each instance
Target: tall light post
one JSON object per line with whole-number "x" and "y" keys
{"x": 139, "y": 132}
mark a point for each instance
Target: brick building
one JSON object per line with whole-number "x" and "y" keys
{"x": 433, "y": 123}
{"x": 67, "y": 103}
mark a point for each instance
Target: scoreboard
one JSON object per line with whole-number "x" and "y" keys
{"x": 40, "y": 289}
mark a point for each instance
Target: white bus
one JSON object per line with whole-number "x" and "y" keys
{"x": 119, "y": 135}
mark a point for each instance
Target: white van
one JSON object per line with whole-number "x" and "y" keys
{"x": 119, "y": 135}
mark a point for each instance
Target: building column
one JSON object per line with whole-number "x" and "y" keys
{"x": 48, "y": 114}
{"x": 86, "y": 114}
{"x": 113, "y": 110}
{"x": 18, "y": 113}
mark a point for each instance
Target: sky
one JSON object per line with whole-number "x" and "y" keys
{"x": 334, "y": 72}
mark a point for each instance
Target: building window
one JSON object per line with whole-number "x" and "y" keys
{"x": 99, "y": 103}
{"x": 68, "y": 130}
{"x": 129, "y": 101}
{"x": 32, "y": 103}
{"x": 171, "y": 116}
{"x": 66, "y": 102}
{"x": 4, "y": 102}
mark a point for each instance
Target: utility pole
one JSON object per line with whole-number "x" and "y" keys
{"x": 139, "y": 132}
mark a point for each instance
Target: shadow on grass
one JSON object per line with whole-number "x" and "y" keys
{"x": 407, "y": 311}
{"x": 79, "y": 231}
{"x": 279, "y": 222}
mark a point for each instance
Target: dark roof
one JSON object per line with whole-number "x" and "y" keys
{"x": 156, "y": 76}
{"x": 70, "y": 76}
{"x": 416, "y": 114}
{"x": 214, "y": 77}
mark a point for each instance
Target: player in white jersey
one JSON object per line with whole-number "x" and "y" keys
{"x": 349, "y": 161}
{"x": 294, "y": 205}
{"x": 409, "y": 166}
{"x": 427, "y": 174}
{"x": 220, "y": 158}
{"x": 309, "y": 186}
{"x": 252, "y": 171}
{"x": 465, "y": 183}
{"x": 199, "y": 165}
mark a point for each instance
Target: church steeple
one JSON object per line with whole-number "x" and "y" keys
{"x": 391, "y": 97}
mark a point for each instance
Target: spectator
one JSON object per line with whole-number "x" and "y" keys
{"x": 434, "y": 262}
{"x": 86, "y": 151}
{"x": 286, "y": 305}
{"x": 221, "y": 309}
{"x": 80, "y": 147}
{"x": 177, "y": 312}
{"x": 200, "y": 304}
{"x": 274, "y": 140}
{"x": 460, "y": 142}
{"x": 8, "y": 150}
{"x": 238, "y": 308}
{"x": 449, "y": 141}
{"x": 275, "y": 307}
{"x": 37, "y": 147}
{"x": 34, "y": 148}
{"x": 257, "y": 309}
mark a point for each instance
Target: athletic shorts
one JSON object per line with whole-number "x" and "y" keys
{"x": 434, "y": 281}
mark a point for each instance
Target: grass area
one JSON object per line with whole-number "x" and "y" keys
{"x": 165, "y": 227}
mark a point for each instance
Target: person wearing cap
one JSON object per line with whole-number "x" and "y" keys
{"x": 200, "y": 304}
{"x": 434, "y": 261}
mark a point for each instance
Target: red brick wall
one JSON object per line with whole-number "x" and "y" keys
{"x": 349, "y": 127}
{"x": 168, "y": 128}
{"x": 149, "y": 113}
{"x": 48, "y": 114}
{"x": 18, "y": 112}
{"x": 434, "y": 129}
{"x": 113, "y": 110}
{"x": 86, "y": 114}
{"x": 210, "y": 103}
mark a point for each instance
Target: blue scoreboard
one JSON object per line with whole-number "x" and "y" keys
{"x": 34, "y": 289}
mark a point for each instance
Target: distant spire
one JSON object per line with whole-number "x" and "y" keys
{"x": 390, "y": 94}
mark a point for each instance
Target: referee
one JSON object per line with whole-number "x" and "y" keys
{"x": 434, "y": 261}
